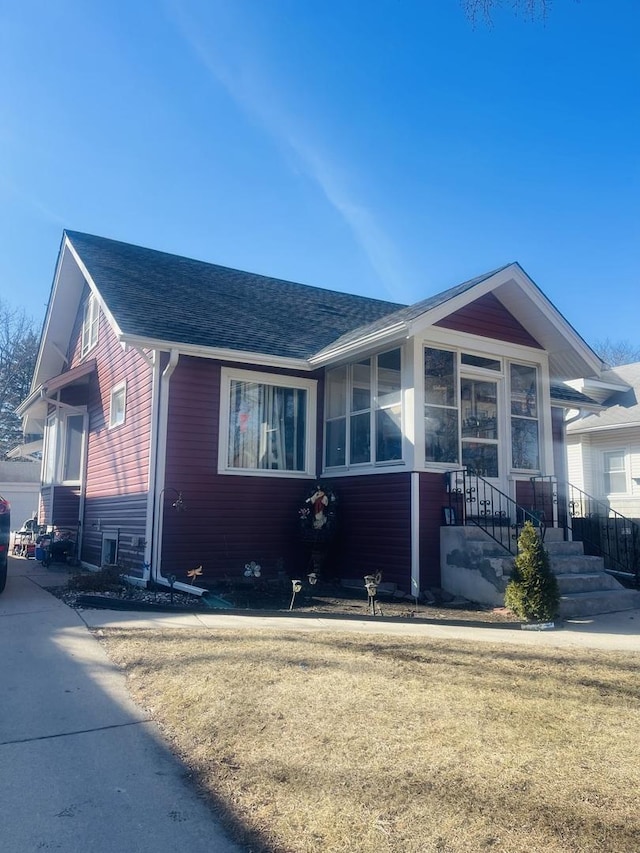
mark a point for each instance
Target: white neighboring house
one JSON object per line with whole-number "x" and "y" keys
{"x": 603, "y": 448}
{"x": 20, "y": 485}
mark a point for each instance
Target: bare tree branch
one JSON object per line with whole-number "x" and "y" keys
{"x": 18, "y": 351}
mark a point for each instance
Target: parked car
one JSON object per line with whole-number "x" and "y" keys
{"x": 5, "y": 529}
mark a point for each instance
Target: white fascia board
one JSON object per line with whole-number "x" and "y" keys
{"x": 556, "y": 319}
{"x": 240, "y": 356}
{"x": 93, "y": 287}
{"x": 330, "y": 354}
{"x": 604, "y": 428}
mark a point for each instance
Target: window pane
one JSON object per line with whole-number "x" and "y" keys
{"x": 117, "y": 407}
{"x": 336, "y": 442}
{"x": 480, "y": 361}
{"x": 360, "y": 438}
{"x": 439, "y": 377}
{"x": 479, "y": 404}
{"x": 524, "y": 391}
{"x": 524, "y": 444}
{"x": 481, "y": 459}
{"x": 73, "y": 448}
{"x": 441, "y": 434}
{"x": 389, "y": 378}
{"x": 267, "y": 427}
{"x": 336, "y": 393}
{"x": 361, "y": 386}
{"x": 388, "y": 434}
{"x": 615, "y": 474}
{"x": 49, "y": 471}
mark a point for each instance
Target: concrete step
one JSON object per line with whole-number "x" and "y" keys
{"x": 562, "y": 548}
{"x": 579, "y": 604}
{"x": 591, "y": 582}
{"x": 577, "y": 564}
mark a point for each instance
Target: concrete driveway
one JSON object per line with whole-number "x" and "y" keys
{"x": 81, "y": 767}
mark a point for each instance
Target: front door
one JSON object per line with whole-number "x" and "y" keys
{"x": 482, "y": 429}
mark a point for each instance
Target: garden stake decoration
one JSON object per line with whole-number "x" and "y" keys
{"x": 371, "y": 583}
{"x": 172, "y": 579}
{"x": 296, "y": 586}
{"x": 252, "y": 570}
{"x": 194, "y": 573}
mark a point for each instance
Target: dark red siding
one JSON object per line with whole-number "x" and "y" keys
{"x": 117, "y": 469}
{"x": 433, "y": 498}
{"x": 229, "y": 519}
{"x": 375, "y": 527}
{"x": 488, "y": 318}
{"x": 60, "y": 505}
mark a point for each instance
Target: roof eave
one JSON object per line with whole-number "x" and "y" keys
{"x": 218, "y": 353}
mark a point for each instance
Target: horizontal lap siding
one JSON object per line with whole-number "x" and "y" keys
{"x": 488, "y": 318}
{"x": 433, "y": 497}
{"x": 229, "y": 519}
{"x": 118, "y": 459}
{"x": 125, "y": 514}
{"x": 117, "y": 465}
{"x": 375, "y": 527}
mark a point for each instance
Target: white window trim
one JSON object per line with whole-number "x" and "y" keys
{"x": 61, "y": 416}
{"x": 121, "y": 386}
{"x": 373, "y": 466}
{"x": 90, "y": 324}
{"x": 109, "y": 536}
{"x": 459, "y": 342}
{"x": 624, "y": 451}
{"x": 228, "y": 374}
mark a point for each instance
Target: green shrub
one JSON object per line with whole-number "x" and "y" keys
{"x": 107, "y": 579}
{"x": 532, "y": 593}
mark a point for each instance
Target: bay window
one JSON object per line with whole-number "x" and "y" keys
{"x": 441, "y": 406}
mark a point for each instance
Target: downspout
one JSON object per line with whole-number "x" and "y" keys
{"x": 153, "y": 464}
{"x": 415, "y": 534}
{"x": 160, "y": 461}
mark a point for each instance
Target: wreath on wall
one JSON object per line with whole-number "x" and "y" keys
{"x": 317, "y": 517}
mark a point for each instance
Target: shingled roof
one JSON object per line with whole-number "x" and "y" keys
{"x": 158, "y": 296}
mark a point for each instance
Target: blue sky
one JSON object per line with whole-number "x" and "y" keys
{"x": 388, "y": 148}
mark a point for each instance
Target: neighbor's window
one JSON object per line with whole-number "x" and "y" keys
{"x": 117, "y": 406}
{"x": 615, "y": 472}
{"x": 441, "y": 406}
{"x": 363, "y": 411}
{"x": 269, "y": 425}
{"x": 525, "y": 450}
{"x": 90, "y": 324}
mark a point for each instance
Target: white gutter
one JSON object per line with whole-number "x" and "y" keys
{"x": 219, "y": 353}
{"x": 328, "y": 354}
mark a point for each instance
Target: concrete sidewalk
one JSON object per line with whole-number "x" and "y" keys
{"x": 81, "y": 766}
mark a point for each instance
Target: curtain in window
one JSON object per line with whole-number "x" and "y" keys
{"x": 267, "y": 427}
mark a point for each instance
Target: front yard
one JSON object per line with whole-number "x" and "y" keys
{"x": 335, "y": 742}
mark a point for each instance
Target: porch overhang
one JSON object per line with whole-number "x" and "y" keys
{"x": 33, "y": 410}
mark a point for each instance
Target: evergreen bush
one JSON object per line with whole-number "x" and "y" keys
{"x": 532, "y": 592}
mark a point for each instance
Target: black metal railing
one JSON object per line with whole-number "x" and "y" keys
{"x": 474, "y": 500}
{"x": 603, "y": 531}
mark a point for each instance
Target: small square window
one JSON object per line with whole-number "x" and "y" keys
{"x": 117, "y": 408}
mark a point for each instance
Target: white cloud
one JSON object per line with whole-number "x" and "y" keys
{"x": 248, "y": 85}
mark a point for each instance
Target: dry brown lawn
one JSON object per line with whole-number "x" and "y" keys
{"x": 335, "y": 742}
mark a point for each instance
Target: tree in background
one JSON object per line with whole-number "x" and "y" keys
{"x": 617, "y": 352}
{"x": 18, "y": 352}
